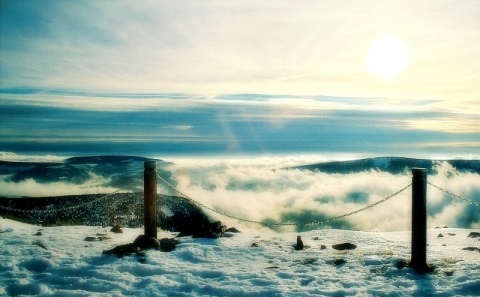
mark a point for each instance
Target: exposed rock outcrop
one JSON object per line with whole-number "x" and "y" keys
{"x": 142, "y": 243}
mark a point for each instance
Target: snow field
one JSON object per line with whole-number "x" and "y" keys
{"x": 61, "y": 263}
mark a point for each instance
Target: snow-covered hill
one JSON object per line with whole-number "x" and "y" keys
{"x": 393, "y": 165}
{"x": 58, "y": 261}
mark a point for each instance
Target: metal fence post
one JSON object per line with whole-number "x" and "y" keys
{"x": 150, "y": 199}
{"x": 419, "y": 220}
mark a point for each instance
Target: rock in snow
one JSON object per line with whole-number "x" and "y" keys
{"x": 344, "y": 246}
{"x": 474, "y": 234}
{"x": 299, "y": 245}
{"x": 142, "y": 243}
{"x": 116, "y": 229}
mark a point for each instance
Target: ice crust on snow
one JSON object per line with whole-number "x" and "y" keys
{"x": 232, "y": 266}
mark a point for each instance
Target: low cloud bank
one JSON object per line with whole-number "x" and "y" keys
{"x": 12, "y": 157}
{"x": 33, "y": 188}
{"x": 268, "y": 190}
{"x": 265, "y": 193}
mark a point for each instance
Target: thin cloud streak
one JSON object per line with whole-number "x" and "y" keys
{"x": 151, "y": 101}
{"x": 228, "y": 124}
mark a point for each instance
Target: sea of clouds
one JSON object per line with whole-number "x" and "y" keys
{"x": 269, "y": 190}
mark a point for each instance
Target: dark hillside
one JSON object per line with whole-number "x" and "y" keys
{"x": 124, "y": 209}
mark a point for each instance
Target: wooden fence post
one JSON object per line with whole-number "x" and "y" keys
{"x": 419, "y": 220}
{"x": 150, "y": 199}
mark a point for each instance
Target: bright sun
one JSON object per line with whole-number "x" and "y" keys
{"x": 387, "y": 57}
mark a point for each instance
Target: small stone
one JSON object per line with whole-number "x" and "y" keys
{"x": 472, "y": 249}
{"x": 116, "y": 229}
{"x": 90, "y": 238}
{"x": 233, "y": 230}
{"x": 168, "y": 244}
{"x": 40, "y": 244}
{"x": 255, "y": 244}
{"x": 440, "y": 235}
{"x": 212, "y": 230}
{"x": 474, "y": 234}
{"x": 448, "y": 273}
{"x": 323, "y": 247}
{"x": 123, "y": 250}
{"x": 344, "y": 246}
{"x": 338, "y": 262}
{"x": 144, "y": 242}
{"x": 451, "y": 234}
{"x": 38, "y": 233}
{"x": 308, "y": 261}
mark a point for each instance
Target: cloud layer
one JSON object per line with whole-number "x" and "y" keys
{"x": 261, "y": 192}
{"x": 115, "y": 123}
{"x": 264, "y": 190}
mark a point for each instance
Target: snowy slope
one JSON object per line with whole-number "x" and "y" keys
{"x": 59, "y": 262}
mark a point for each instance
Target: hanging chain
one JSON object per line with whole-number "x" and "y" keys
{"x": 282, "y": 224}
{"x": 454, "y": 195}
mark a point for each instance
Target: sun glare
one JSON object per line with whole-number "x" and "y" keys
{"x": 387, "y": 57}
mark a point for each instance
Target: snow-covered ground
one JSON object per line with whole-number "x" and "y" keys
{"x": 59, "y": 262}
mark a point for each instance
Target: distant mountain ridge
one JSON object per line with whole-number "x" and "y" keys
{"x": 119, "y": 170}
{"x": 393, "y": 165}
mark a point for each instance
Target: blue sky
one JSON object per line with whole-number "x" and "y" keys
{"x": 240, "y": 77}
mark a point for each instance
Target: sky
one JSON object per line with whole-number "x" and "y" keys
{"x": 240, "y": 77}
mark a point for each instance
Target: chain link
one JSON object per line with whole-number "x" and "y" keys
{"x": 68, "y": 208}
{"x": 454, "y": 195}
{"x": 282, "y": 224}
